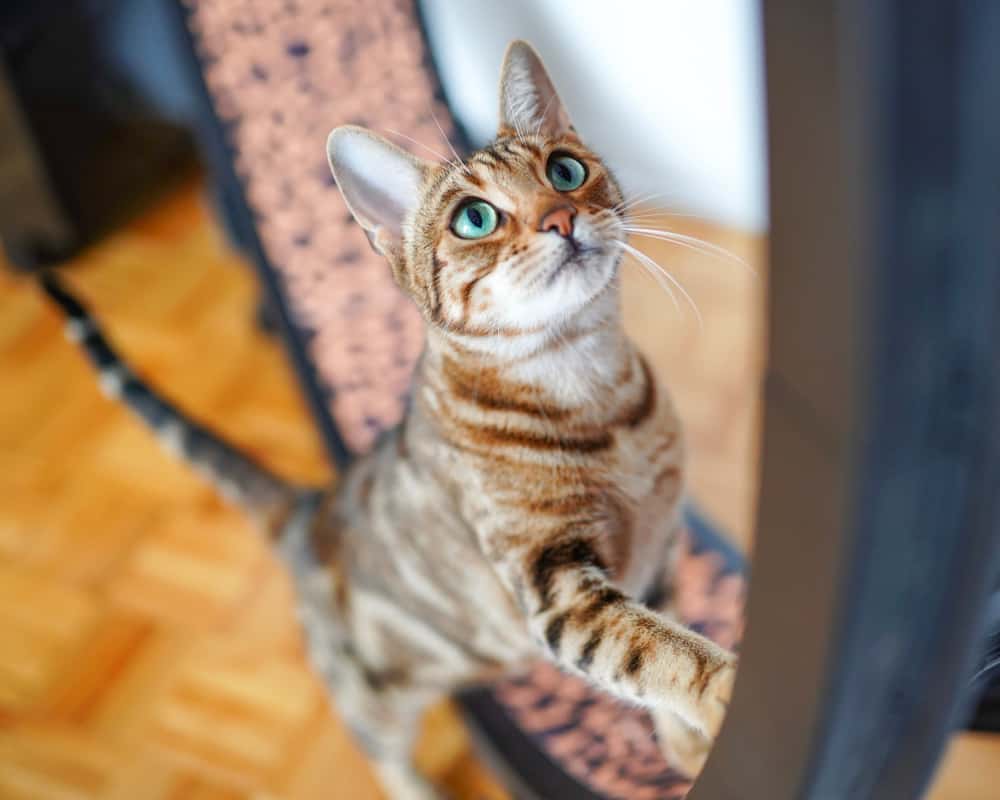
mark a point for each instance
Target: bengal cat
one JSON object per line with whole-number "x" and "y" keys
{"x": 532, "y": 491}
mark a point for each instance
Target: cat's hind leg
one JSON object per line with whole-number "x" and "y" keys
{"x": 381, "y": 707}
{"x": 387, "y": 737}
{"x": 383, "y": 712}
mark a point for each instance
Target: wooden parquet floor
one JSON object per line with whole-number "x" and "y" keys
{"x": 147, "y": 645}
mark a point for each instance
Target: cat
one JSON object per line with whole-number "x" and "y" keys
{"x": 532, "y": 491}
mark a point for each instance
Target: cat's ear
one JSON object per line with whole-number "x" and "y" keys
{"x": 379, "y": 181}
{"x": 528, "y": 99}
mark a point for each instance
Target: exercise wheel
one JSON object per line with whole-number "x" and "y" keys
{"x": 879, "y": 518}
{"x": 879, "y": 522}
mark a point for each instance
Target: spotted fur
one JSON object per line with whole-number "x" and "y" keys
{"x": 532, "y": 492}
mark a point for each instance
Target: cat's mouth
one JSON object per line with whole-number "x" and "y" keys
{"x": 576, "y": 254}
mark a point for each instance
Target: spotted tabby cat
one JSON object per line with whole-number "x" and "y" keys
{"x": 531, "y": 494}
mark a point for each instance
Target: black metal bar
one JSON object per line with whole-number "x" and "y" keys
{"x": 879, "y": 515}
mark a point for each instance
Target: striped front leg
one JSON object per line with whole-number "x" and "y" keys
{"x": 591, "y": 627}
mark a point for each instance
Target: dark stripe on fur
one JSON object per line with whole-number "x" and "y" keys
{"x": 564, "y": 504}
{"x": 436, "y": 266}
{"x": 642, "y": 411}
{"x": 554, "y": 632}
{"x": 635, "y": 658}
{"x": 561, "y": 555}
{"x": 486, "y": 391}
{"x": 495, "y": 436}
{"x": 590, "y": 649}
{"x": 492, "y": 157}
{"x": 703, "y": 674}
{"x": 524, "y": 148}
{"x": 601, "y": 600}
{"x": 467, "y": 290}
{"x": 482, "y": 333}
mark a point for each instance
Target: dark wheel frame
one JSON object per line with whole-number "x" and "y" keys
{"x": 879, "y": 517}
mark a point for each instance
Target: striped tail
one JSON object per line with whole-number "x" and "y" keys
{"x": 234, "y": 474}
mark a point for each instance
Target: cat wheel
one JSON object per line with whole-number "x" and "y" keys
{"x": 877, "y": 528}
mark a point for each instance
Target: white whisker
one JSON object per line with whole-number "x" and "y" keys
{"x": 662, "y": 271}
{"x": 660, "y": 280}
{"x": 431, "y": 150}
{"x": 635, "y": 200}
{"x": 457, "y": 163}
{"x": 654, "y": 214}
{"x": 692, "y": 242}
{"x": 656, "y": 275}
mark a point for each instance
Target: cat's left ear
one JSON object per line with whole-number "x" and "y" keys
{"x": 528, "y": 99}
{"x": 381, "y": 183}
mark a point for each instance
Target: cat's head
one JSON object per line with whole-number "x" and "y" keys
{"x": 520, "y": 237}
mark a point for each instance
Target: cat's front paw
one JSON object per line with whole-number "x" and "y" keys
{"x": 686, "y": 743}
{"x": 714, "y": 700}
{"x": 684, "y": 747}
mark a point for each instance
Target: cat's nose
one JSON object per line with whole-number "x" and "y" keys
{"x": 560, "y": 220}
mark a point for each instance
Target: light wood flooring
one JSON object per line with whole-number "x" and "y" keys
{"x": 147, "y": 645}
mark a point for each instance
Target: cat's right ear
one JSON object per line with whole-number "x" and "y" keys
{"x": 528, "y": 98}
{"x": 379, "y": 181}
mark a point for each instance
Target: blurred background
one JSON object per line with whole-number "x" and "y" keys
{"x": 671, "y": 93}
{"x": 169, "y": 159}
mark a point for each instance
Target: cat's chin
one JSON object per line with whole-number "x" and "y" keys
{"x": 571, "y": 293}
{"x": 589, "y": 275}
{"x": 578, "y": 260}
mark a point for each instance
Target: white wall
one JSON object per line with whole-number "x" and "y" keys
{"x": 670, "y": 92}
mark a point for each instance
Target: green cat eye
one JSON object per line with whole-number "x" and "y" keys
{"x": 566, "y": 173}
{"x": 475, "y": 220}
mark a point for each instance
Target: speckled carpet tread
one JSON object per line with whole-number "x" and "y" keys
{"x": 282, "y": 75}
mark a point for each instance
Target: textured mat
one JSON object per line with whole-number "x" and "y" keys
{"x": 281, "y": 76}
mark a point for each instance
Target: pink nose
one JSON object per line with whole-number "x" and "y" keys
{"x": 559, "y": 220}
